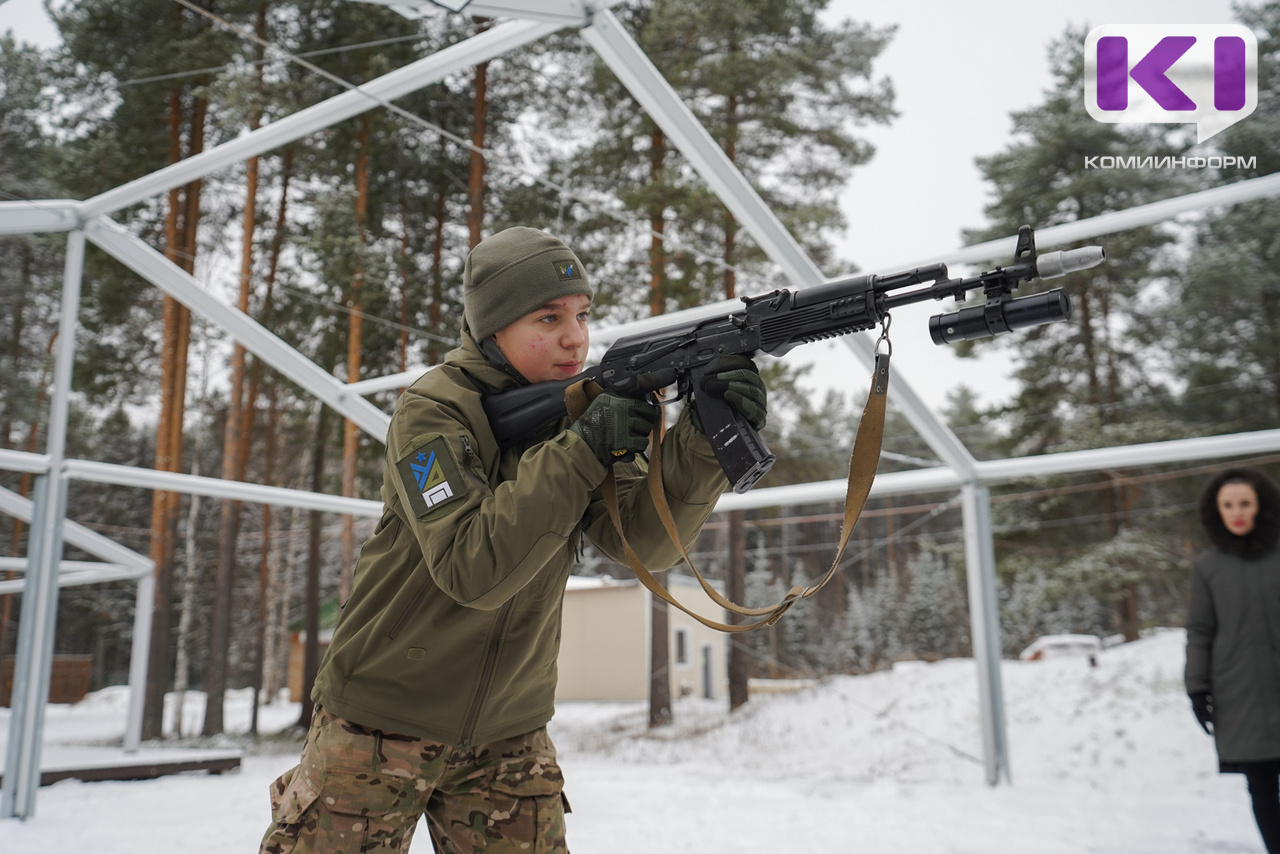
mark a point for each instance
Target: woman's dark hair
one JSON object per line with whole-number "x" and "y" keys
{"x": 1266, "y": 527}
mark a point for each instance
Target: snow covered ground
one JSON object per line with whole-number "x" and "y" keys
{"x": 1105, "y": 760}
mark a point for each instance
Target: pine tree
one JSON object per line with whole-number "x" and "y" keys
{"x": 781, "y": 92}
{"x": 129, "y": 53}
{"x": 1222, "y": 317}
{"x": 1086, "y": 383}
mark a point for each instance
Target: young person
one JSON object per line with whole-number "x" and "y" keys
{"x": 435, "y": 693}
{"x": 1233, "y": 636}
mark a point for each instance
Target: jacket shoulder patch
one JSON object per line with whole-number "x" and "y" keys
{"x": 430, "y": 474}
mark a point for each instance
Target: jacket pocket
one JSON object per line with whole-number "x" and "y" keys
{"x": 545, "y": 590}
{"x": 415, "y": 602}
{"x": 419, "y": 571}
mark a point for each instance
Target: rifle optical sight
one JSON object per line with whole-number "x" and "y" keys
{"x": 999, "y": 316}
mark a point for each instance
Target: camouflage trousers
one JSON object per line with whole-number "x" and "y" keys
{"x": 357, "y": 789}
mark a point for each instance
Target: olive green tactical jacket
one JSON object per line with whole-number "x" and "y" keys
{"x": 452, "y": 629}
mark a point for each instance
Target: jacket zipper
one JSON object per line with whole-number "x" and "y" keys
{"x": 418, "y": 596}
{"x": 486, "y": 673}
{"x": 467, "y": 456}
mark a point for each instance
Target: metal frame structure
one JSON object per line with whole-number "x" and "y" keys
{"x": 528, "y": 21}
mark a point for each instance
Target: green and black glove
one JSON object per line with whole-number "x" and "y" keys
{"x": 616, "y": 428}
{"x": 738, "y": 382}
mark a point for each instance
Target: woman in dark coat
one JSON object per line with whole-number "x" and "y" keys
{"x": 1233, "y": 636}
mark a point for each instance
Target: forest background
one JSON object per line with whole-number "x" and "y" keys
{"x": 349, "y": 246}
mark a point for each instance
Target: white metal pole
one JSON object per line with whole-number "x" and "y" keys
{"x": 40, "y": 603}
{"x": 138, "y": 655}
{"x": 984, "y": 624}
{"x": 77, "y": 535}
{"x": 23, "y": 703}
{"x": 179, "y": 284}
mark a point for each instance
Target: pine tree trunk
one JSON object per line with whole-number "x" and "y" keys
{"x": 270, "y": 568}
{"x": 731, "y": 224}
{"x": 406, "y": 280}
{"x": 189, "y": 242}
{"x": 277, "y": 238}
{"x": 659, "y": 661}
{"x": 437, "y": 278}
{"x": 234, "y": 466}
{"x": 657, "y": 225}
{"x": 264, "y": 577}
{"x": 479, "y": 122}
{"x": 158, "y": 656}
{"x": 311, "y": 596}
{"x": 179, "y": 250}
{"x": 891, "y": 541}
{"x": 286, "y": 597}
{"x": 187, "y": 603}
{"x": 739, "y": 652}
{"x": 278, "y": 627}
{"x": 355, "y": 346}
{"x": 660, "y": 712}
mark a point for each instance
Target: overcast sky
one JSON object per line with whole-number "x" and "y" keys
{"x": 957, "y": 80}
{"x": 958, "y": 75}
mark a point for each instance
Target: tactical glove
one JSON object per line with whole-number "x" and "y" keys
{"x": 738, "y": 382}
{"x": 616, "y": 428}
{"x": 1202, "y": 706}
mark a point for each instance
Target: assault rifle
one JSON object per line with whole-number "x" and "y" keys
{"x": 685, "y": 354}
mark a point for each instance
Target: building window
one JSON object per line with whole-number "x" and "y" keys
{"x": 682, "y": 646}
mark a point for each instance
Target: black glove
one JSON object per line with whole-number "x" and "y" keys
{"x": 616, "y": 428}
{"x": 738, "y": 382}
{"x": 1202, "y": 706}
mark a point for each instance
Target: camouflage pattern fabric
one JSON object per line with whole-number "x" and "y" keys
{"x": 357, "y": 789}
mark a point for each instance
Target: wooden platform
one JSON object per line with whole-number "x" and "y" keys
{"x": 112, "y": 763}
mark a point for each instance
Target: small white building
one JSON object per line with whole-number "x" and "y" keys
{"x": 604, "y": 641}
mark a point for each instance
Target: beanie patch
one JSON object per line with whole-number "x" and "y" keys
{"x": 566, "y": 270}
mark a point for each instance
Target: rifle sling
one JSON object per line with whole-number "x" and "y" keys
{"x": 862, "y": 470}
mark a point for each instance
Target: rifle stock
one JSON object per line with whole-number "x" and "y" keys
{"x": 515, "y": 414}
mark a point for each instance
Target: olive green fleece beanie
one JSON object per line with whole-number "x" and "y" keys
{"x": 515, "y": 272}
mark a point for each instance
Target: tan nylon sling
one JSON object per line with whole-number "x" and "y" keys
{"x": 862, "y": 470}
